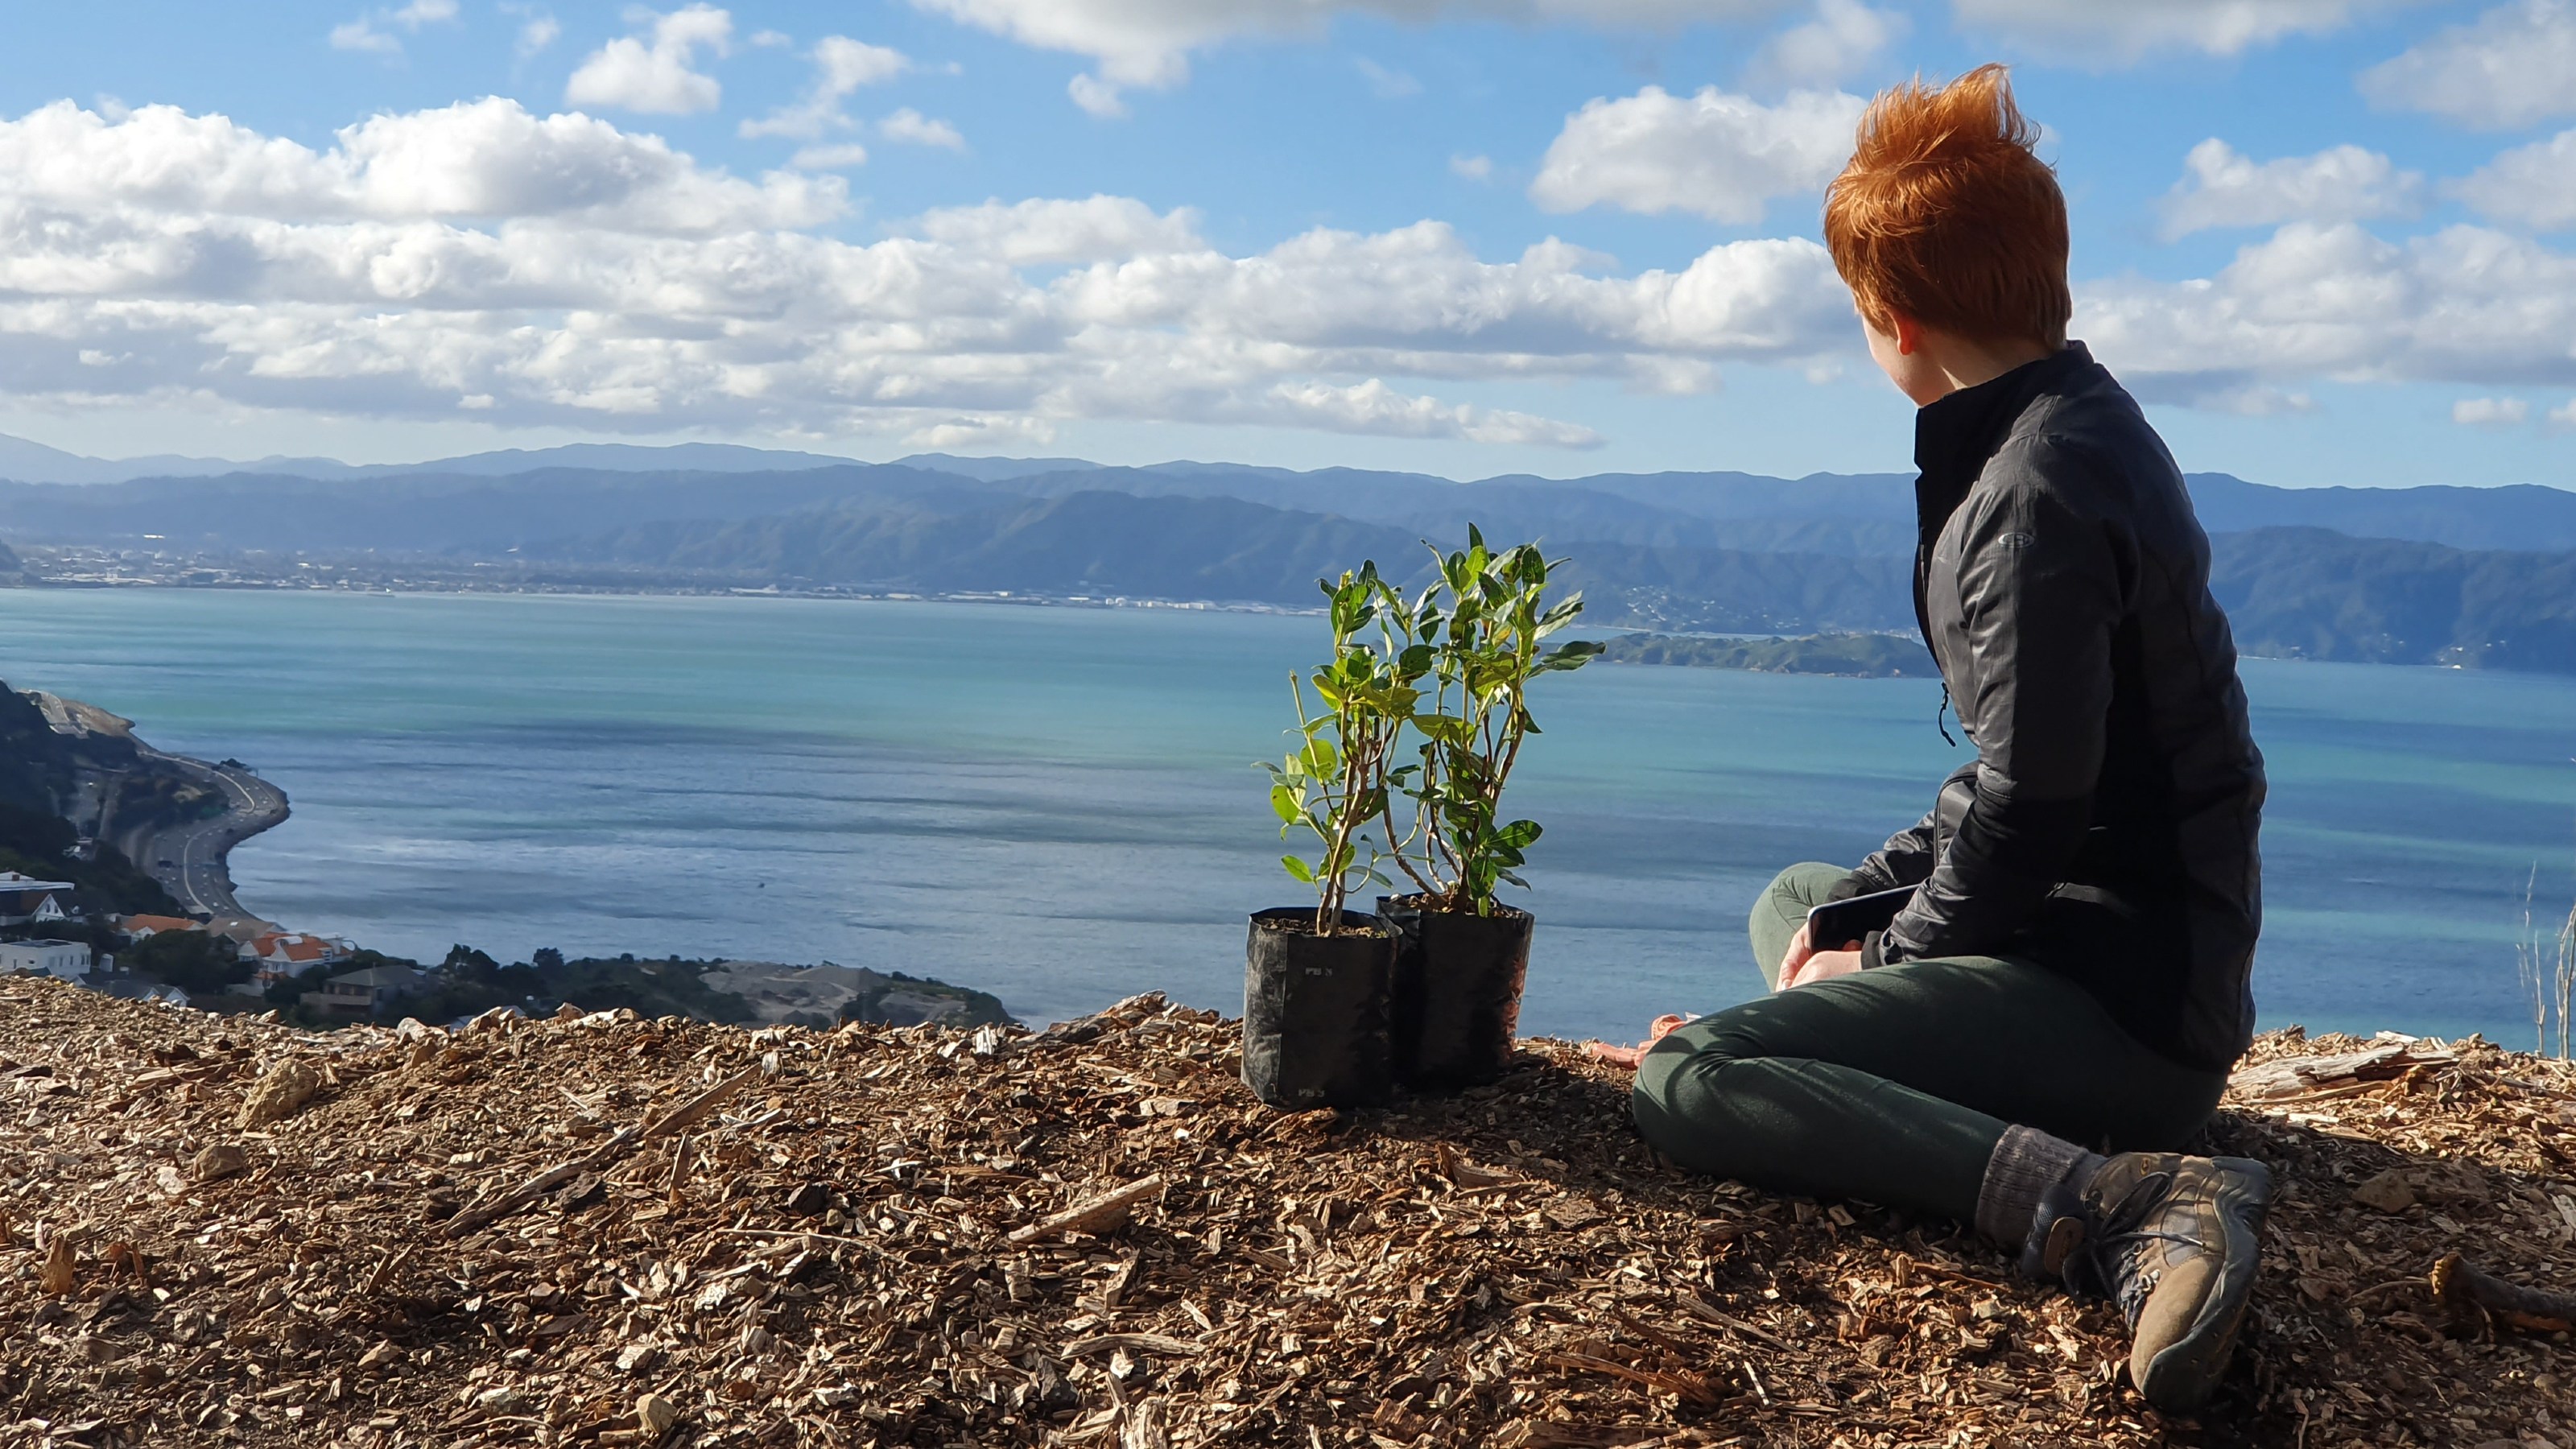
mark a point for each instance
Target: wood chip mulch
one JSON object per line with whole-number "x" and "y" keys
{"x": 610, "y": 1231}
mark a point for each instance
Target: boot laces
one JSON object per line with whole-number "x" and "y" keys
{"x": 2112, "y": 1260}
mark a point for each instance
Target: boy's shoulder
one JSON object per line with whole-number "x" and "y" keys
{"x": 2085, "y": 440}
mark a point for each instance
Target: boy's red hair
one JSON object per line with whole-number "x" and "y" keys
{"x": 1947, "y": 215}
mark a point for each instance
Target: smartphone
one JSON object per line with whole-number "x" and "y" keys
{"x": 1836, "y": 924}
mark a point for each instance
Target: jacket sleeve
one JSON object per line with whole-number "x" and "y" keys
{"x": 1906, "y": 859}
{"x": 2041, "y": 591}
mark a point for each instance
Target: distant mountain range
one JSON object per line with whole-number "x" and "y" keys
{"x": 2479, "y": 576}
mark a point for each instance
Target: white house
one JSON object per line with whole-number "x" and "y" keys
{"x": 68, "y": 960}
{"x": 26, "y": 900}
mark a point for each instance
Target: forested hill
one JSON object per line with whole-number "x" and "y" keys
{"x": 39, "y": 770}
{"x": 2305, "y": 593}
{"x": 2472, "y": 576}
{"x": 1232, "y": 551}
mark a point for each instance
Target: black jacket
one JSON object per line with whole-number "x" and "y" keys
{"x": 2107, "y": 828}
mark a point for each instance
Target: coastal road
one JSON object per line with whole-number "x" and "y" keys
{"x": 189, "y": 859}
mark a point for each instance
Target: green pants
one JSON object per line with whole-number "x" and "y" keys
{"x": 1892, "y": 1086}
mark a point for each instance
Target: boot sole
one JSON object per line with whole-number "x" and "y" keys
{"x": 2182, "y": 1378}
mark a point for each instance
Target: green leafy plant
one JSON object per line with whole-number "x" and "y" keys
{"x": 1335, "y": 782}
{"x": 1479, "y": 630}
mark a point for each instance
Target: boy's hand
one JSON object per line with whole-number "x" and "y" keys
{"x": 1631, "y": 1056}
{"x": 1824, "y": 966}
{"x": 1804, "y": 965}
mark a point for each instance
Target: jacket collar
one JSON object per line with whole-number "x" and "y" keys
{"x": 1954, "y": 438}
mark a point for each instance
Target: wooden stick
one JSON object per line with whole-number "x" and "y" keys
{"x": 1705, "y": 1309}
{"x": 697, "y": 1109}
{"x": 1090, "y": 1216}
{"x": 1133, "y": 1343}
{"x": 2469, "y": 1294}
{"x": 1689, "y": 1386}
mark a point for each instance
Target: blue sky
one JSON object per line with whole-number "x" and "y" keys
{"x": 2328, "y": 240}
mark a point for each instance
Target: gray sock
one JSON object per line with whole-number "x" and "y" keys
{"x": 2025, "y": 1164}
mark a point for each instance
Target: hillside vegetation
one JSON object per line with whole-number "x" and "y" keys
{"x": 2467, "y": 576}
{"x": 2305, "y": 593}
{"x": 1871, "y": 656}
{"x": 39, "y": 771}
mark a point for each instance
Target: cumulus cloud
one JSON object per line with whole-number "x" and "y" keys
{"x": 832, "y": 156}
{"x": 1721, "y": 156}
{"x": 561, "y": 271}
{"x": 2491, "y": 412}
{"x": 658, "y": 73}
{"x": 536, "y": 33}
{"x": 1147, "y": 43}
{"x": 373, "y": 30}
{"x": 2126, "y": 30}
{"x": 1844, "y": 39}
{"x": 2533, "y": 186}
{"x": 487, "y": 159}
{"x": 2564, "y": 415}
{"x": 912, "y": 128}
{"x": 2222, "y": 187}
{"x": 1386, "y": 83}
{"x": 1097, "y": 97}
{"x": 841, "y": 66}
{"x": 2466, "y": 304}
{"x": 1373, "y": 407}
{"x": 2511, "y": 67}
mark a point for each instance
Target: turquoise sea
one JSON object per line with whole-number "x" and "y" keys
{"x": 1060, "y": 804}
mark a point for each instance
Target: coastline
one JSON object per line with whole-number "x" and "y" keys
{"x": 191, "y": 859}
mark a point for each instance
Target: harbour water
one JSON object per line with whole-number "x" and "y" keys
{"x": 1060, "y": 805}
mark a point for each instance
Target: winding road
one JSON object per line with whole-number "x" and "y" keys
{"x": 188, "y": 858}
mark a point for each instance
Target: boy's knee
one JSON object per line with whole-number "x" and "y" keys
{"x": 1681, "y": 1107}
{"x": 1803, "y": 885}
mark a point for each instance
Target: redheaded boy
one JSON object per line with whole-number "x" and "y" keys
{"x": 2054, "y": 1010}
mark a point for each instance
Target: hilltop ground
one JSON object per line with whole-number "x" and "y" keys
{"x": 615, "y": 1231}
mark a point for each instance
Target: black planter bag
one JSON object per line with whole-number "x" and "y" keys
{"x": 1456, "y": 992}
{"x": 1314, "y": 1012}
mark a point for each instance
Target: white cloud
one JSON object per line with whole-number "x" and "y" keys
{"x": 561, "y": 271}
{"x": 632, "y": 74}
{"x": 486, "y": 159}
{"x": 841, "y": 66}
{"x": 1147, "y": 43}
{"x": 2514, "y": 66}
{"x": 1373, "y": 407}
{"x": 363, "y": 33}
{"x": 2533, "y": 186}
{"x": 835, "y": 156}
{"x": 2564, "y": 415}
{"x": 912, "y": 128}
{"x": 2464, "y": 305}
{"x": 1721, "y": 156}
{"x": 2491, "y": 412}
{"x": 1474, "y": 168}
{"x": 2126, "y": 30}
{"x": 2223, "y": 187}
{"x": 1845, "y": 39}
{"x": 1387, "y": 84}
{"x": 1098, "y": 97}
{"x": 536, "y": 33}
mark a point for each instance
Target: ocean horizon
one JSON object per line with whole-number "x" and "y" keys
{"x": 1062, "y": 805}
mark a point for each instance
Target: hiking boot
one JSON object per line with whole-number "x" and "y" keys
{"x": 2174, "y": 1241}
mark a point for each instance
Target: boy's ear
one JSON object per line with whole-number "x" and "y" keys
{"x": 1907, "y": 331}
